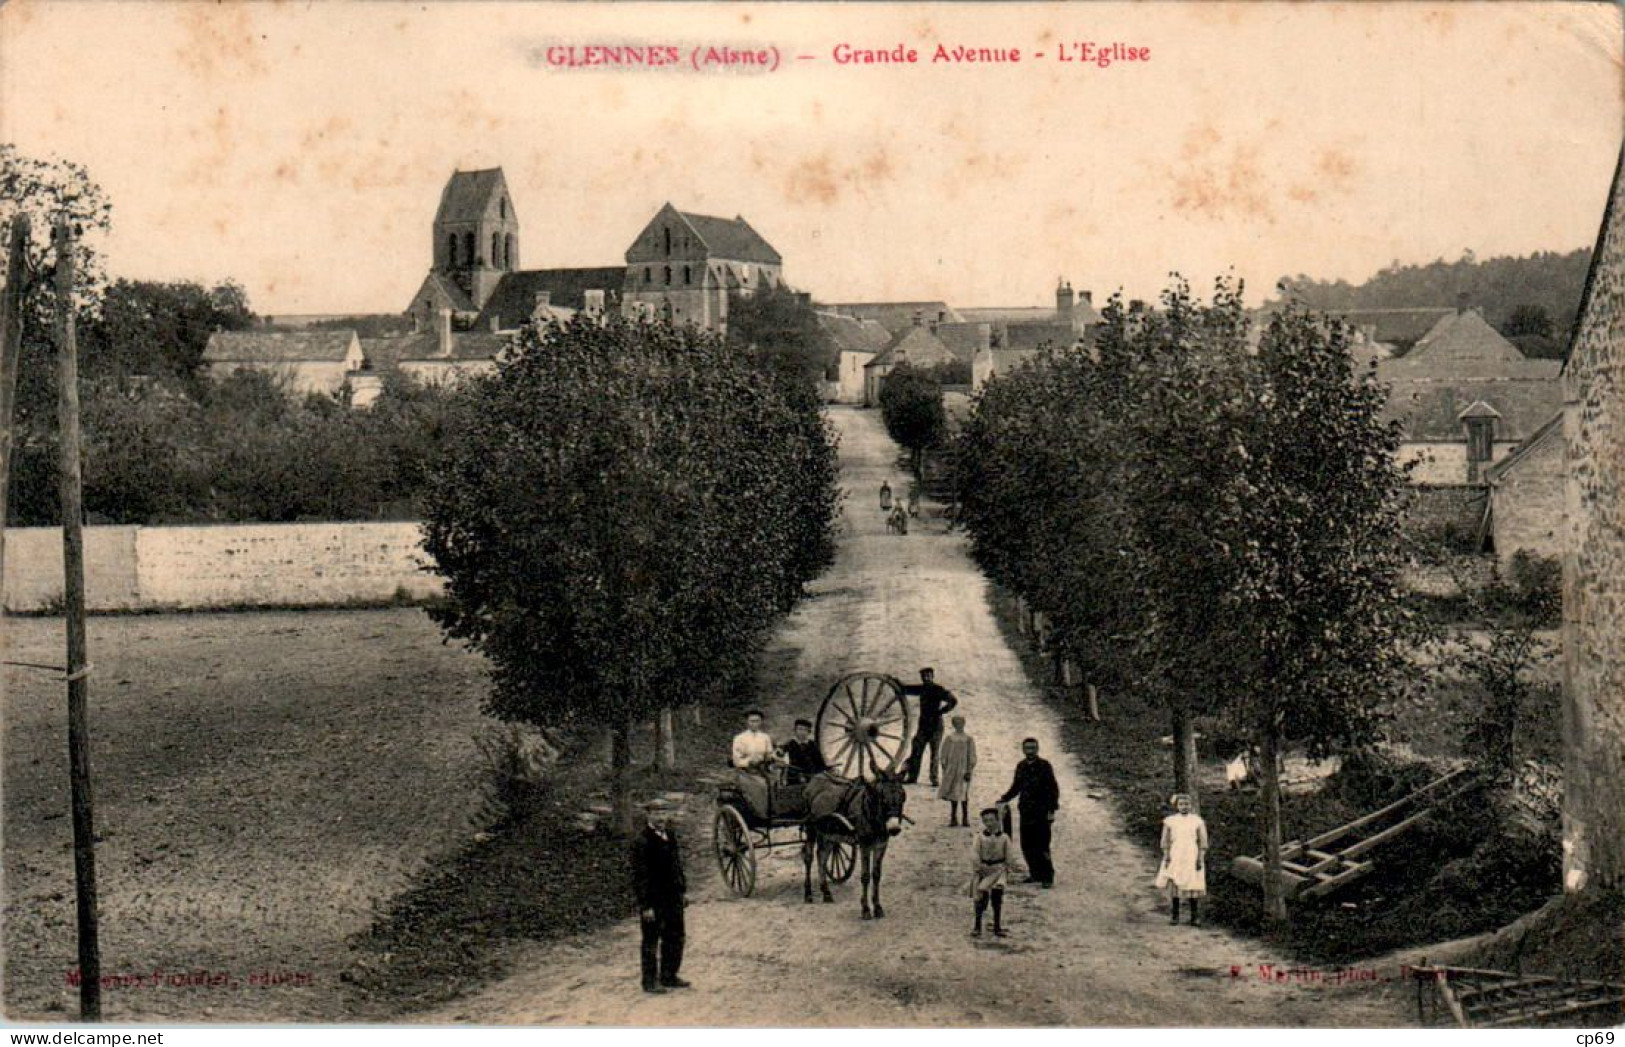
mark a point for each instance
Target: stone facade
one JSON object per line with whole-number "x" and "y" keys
{"x": 1526, "y": 497}
{"x": 687, "y": 266}
{"x": 1594, "y": 569}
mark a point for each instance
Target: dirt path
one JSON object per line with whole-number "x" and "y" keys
{"x": 1096, "y": 950}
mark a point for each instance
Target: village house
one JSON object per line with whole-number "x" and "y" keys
{"x": 307, "y": 361}
{"x": 1526, "y": 493}
{"x": 896, "y": 317}
{"x": 441, "y": 357}
{"x": 856, "y": 343}
{"x": 916, "y": 346}
{"x": 1466, "y": 397}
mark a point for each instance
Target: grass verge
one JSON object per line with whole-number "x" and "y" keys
{"x": 1459, "y": 873}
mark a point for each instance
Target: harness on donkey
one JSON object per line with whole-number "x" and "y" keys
{"x": 846, "y": 815}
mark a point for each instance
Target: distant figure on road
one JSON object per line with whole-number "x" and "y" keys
{"x": 657, "y": 880}
{"x": 885, "y": 496}
{"x": 992, "y": 855}
{"x": 914, "y": 500}
{"x": 958, "y": 762}
{"x": 935, "y": 703}
{"x": 897, "y": 522}
{"x": 1184, "y": 857}
{"x": 1040, "y": 797}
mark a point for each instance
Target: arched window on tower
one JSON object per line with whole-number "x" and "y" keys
{"x": 507, "y": 251}
{"x": 668, "y": 276}
{"x": 667, "y": 231}
{"x": 502, "y": 206}
{"x": 496, "y": 250}
{"x": 451, "y": 251}
{"x": 688, "y": 276}
{"x": 468, "y": 248}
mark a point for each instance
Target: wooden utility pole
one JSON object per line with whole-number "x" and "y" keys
{"x": 73, "y": 570}
{"x": 11, "y": 344}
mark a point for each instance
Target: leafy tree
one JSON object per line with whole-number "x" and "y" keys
{"x": 778, "y": 331}
{"x": 620, "y": 515}
{"x": 1528, "y": 319}
{"x": 911, "y": 403}
{"x": 1316, "y": 623}
{"x": 146, "y": 327}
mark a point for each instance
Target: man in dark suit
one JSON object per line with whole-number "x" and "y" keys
{"x": 657, "y": 880}
{"x": 936, "y": 702}
{"x": 1040, "y": 797}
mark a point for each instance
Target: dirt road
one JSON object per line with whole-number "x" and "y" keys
{"x": 1096, "y": 950}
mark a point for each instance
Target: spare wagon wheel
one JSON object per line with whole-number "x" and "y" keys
{"x": 864, "y": 725}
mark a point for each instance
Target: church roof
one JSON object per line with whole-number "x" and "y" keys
{"x": 514, "y": 299}
{"x": 731, "y": 238}
{"x": 468, "y": 194}
{"x": 308, "y": 346}
{"x": 457, "y": 299}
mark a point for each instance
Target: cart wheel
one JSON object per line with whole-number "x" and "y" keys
{"x": 736, "y": 851}
{"x": 864, "y": 726}
{"x": 837, "y": 856}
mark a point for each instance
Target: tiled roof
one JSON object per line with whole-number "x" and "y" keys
{"x": 385, "y": 354}
{"x": 1033, "y": 335}
{"x": 468, "y": 194}
{"x": 514, "y": 299}
{"x": 459, "y": 299}
{"x": 1464, "y": 338}
{"x": 1016, "y": 314}
{"x": 1431, "y": 410}
{"x": 307, "y": 346}
{"x": 918, "y": 347}
{"x": 964, "y": 339}
{"x": 852, "y": 335}
{"x": 897, "y": 316}
{"x": 732, "y": 238}
{"x": 1552, "y": 430}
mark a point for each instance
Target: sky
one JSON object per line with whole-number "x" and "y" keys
{"x": 300, "y": 148}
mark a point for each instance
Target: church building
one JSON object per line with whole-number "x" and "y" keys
{"x": 476, "y": 242}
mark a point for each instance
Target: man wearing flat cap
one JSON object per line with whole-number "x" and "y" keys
{"x": 657, "y": 881}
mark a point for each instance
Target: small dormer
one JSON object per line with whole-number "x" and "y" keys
{"x": 1479, "y": 420}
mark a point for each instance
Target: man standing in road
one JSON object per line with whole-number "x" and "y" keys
{"x": 935, "y": 703}
{"x": 1040, "y": 796}
{"x": 657, "y": 880}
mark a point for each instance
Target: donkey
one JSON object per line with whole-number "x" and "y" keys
{"x": 868, "y": 812}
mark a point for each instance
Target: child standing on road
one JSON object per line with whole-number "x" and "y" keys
{"x": 992, "y": 852}
{"x": 1184, "y": 856}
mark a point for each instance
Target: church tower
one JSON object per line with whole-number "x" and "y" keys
{"x": 476, "y": 233}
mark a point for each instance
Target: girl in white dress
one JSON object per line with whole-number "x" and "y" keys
{"x": 1184, "y": 857}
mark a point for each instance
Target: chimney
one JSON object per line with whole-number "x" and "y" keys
{"x": 1087, "y": 298}
{"x": 1063, "y": 300}
{"x": 1461, "y": 303}
{"x": 593, "y": 302}
{"x": 544, "y": 301}
{"x": 443, "y": 329}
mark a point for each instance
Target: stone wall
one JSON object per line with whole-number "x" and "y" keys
{"x": 1594, "y": 570}
{"x": 254, "y": 565}
{"x": 1529, "y": 504}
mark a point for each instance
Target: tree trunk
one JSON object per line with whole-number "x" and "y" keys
{"x": 1094, "y": 701}
{"x": 1270, "y": 772}
{"x": 667, "y": 749}
{"x": 1185, "y": 758}
{"x": 620, "y": 763}
{"x": 697, "y": 713}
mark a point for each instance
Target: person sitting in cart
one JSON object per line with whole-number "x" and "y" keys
{"x": 753, "y": 747}
{"x": 753, "y": 756}
{"x": 802, "y": 755}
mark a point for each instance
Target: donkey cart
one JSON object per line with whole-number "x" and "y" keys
{"x": 862, "y": 731}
